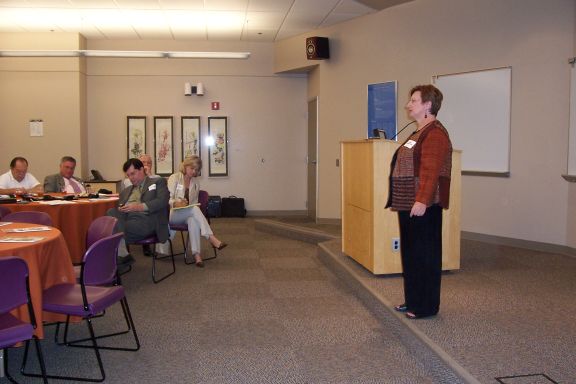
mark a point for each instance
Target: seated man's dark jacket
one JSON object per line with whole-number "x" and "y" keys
{"x": 156, "y": 199}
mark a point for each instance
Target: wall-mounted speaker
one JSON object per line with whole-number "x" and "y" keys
{"x": 317, "y": 48}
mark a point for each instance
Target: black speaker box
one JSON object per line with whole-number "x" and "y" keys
{"x": 317, "y": 48}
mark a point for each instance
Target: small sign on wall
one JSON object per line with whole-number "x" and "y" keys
{"x": 36, "y": 127}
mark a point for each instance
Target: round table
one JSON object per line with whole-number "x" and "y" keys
{"x": 72, "y": 218}
{"x": 48, "y": 262}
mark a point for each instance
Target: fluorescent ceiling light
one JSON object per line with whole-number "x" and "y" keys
{"x": 128, "y": 54}
{"x": 208, "y": 55}
{"x": 40, "y": 53}
{"x": 97, "y": 53}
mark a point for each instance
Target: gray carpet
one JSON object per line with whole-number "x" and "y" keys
{"x": 267, "y": 310}
{"x": 507, "y": 311}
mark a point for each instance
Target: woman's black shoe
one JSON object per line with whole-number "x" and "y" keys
{"x": 401, "y": 308}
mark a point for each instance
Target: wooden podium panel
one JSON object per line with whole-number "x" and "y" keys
{"x": 368, "y": 229}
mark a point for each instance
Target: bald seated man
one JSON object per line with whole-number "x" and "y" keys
{"x": 18, "y": 180}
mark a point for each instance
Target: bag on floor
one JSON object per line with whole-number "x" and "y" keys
{"x": 233, "y": 206}
{"x": 214, "y": 206}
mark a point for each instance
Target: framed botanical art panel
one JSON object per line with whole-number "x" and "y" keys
{"x": 163, "y": 145}
{"x": 136, "y": 134}
{"x": 190, "y": 136}
{"x": 218, "y": 151}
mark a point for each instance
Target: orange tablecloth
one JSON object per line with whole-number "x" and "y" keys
{"x": 72, "y": 219}
{"x": 48, "y": 262}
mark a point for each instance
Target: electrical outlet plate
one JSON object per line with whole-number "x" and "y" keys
{"x": 395, "y": 244}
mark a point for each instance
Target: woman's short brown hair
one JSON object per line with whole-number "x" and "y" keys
{"x": 430, "y": 93}
{"x": 191, "y": 161}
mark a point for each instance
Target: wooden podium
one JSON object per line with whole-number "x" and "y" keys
{"x": 369, "y": 231}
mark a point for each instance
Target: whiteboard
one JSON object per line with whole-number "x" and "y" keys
{"x": 476, "y": 113}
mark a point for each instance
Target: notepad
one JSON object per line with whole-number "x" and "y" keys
{"x": 29, "y": 229}
{"x": 188, "y": 206}
{"x": 24, "y": 239}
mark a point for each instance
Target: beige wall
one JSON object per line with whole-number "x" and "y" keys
{"x": 412, "y": 42}
{"x": 50, "y": 89}
{"x": 84, "y": 104}
{"x": 267, "y": 116}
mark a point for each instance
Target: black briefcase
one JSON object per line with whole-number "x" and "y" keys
{"x": 233, "y": 206}
{"x": 214, "y": 206}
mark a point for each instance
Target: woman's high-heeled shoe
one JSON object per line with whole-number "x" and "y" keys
{"x": 401, "y": 308}
{"x": 221, "y": 246}
{"x": 198, "y": 261}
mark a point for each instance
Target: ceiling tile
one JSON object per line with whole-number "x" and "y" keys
{"x": 138, "y": 4}
{"x": 260, "y": 35}
{"x": 180, "y": 34}
{"x": 316, "y": 6}
{"x": 261, "y": 20}
{"x": 225, "y": 5}
{"x": 303, "y": 20}
{"x": 182, "y": 4}
{"x": 216, "y": 34}
{"x": 111, "y": 19}
{"x": 270, "y": 5}
{"x": 93, "y": 3}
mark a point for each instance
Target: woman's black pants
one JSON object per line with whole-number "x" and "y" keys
{"x": 421, "y": 250}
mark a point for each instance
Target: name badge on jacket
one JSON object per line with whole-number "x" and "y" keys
{"x": 152, "y": 187}
{"x": 409, "y": 144}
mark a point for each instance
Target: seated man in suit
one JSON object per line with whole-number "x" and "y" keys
{"x": 142, "y": 209}
{"x": 18, "y": 180}
{"x": 146, "y": 159}
{"x": 65, "y": 181}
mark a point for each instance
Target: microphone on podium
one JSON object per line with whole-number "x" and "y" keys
{"x": 403, "y": 128}
{"x": 378, "y": 133}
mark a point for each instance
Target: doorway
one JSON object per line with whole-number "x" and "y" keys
{"x": 311, "y": 158}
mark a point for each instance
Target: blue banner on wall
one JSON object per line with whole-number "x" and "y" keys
{"x": 382, "y": 109}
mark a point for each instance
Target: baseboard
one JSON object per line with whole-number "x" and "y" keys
{"x": 519, "y": 243}
{"x": 329, "y": 221}
{"x": 252, "y": 213}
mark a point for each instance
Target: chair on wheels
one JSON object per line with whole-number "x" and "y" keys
{"x": 34, "y": 217}
{"x": 15, "y": 290}
{"x": 4, "y": 211}
{"x": 203, "y": 200}
{"x": 87, "y": 301}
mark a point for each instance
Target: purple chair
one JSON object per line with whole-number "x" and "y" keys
{"x": 4, "y": 211}
{"x": 100, "y": 228}
{"x": 33, "y": 217}
{"x": 91, "y": 297}
{"x": 203, "y": 200}
{"x": 14, "y": 292}
{"x": 152, "y": 241}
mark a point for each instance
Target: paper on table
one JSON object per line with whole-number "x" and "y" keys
{"x": 5, "y": 223}
{"x": 57, "y": 202}
{"x": 29, "y": 229}
{"x": 188, "y": 206}
{"x": 26, "y": 239}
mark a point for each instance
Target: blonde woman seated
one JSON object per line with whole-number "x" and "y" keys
{"x": 184, "y": 189}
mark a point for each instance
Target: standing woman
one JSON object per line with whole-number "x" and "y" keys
{"x": 184, "y": 189}
{"x": 419, "y": 190}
